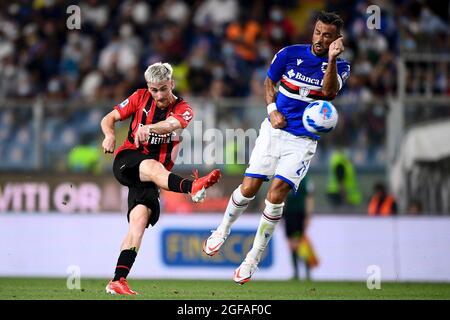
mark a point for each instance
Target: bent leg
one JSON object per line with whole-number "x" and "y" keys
{"x": 153, "y": 171}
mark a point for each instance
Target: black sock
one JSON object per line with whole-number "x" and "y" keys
{"x": 124, "y": 263}
{"x": 179, "y": 184}
{"x": 294, "y": 263}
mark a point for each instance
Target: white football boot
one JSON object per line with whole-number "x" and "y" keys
{"x": 245, "y": 271}
{"x": 215, "y": 241}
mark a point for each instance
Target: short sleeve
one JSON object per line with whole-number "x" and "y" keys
{"x": 183, "y": 113}
{"x": 343, "y": 70}
{"x": 128, "y": 107}
{"x": 278, "y": 65}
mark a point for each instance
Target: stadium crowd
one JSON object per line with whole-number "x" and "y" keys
{"x": 219, "y": 48}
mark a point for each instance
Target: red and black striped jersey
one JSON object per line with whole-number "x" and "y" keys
{"x": 142, "y": 109}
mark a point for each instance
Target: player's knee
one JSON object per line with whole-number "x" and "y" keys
{"x": 278, "y": 192}
{"x": 147, "y": 169}
{"x": 248, "y": 191}
{"x": 139, "y": 219}
{"x": 138, "y": 225}
{"x": 275, "y": 197}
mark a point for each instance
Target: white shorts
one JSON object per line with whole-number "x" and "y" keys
{"x": 280, "y": 154}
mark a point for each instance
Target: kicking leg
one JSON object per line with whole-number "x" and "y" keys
{"x": 154, "y": 171}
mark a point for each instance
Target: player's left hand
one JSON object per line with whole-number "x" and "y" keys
{"x": 142, "y": 135}
{"x": 277, "y": 120}
{"x": 336, "y": 48}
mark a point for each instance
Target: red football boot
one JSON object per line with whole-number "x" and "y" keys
{"x": 119, "y": 287}
{"x": 199, "y": 185}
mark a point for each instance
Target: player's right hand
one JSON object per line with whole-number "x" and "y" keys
{"x": 277, "y": 120}
{"x": 336, "y": 48}
{"x": 141, "y": 136}
{"x": 109, "y": 144}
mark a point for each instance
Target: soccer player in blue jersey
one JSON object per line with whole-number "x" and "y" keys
{"x": 284, "y": 148}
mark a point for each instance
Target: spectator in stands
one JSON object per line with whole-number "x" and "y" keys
{"x": 342, "y": 186}
{"x": 381, "y": 203}
{"x": 279, "y": 29}
{"x": 243, "y": 34}
{"x": 213, "y": 14}
{"x": 39, "y": 56}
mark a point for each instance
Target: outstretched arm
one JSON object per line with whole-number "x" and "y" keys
{"x": 107, "y": 125}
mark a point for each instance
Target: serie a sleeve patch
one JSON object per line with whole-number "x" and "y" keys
{"x": 123, "y": 103}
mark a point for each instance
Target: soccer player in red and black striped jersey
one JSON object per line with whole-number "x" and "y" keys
{"x": 144, "y": 160}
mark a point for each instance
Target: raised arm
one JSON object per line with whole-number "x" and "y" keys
{"x": 330, "y": 86}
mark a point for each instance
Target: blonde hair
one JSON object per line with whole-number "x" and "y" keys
{"x": 158, "y": 72}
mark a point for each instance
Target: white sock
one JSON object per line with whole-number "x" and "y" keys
{"x": 236, "y": 205}
{"x": 271, "y": 216}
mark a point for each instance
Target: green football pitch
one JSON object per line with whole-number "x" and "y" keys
{"x": 94, "y": 289}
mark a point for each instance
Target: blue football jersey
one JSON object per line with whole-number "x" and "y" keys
{"x": 300, "y": 74}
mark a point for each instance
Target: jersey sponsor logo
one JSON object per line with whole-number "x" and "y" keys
{"x": 155, "y": 138}
{"x": 299, "y": 76}
{"x": 123, "y": 103}
{"x": 291, "y": 73}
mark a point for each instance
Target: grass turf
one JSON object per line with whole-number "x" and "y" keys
{"x": 94, "y": 289}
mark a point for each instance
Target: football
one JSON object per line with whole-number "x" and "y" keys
{"x": 320, "y": 117}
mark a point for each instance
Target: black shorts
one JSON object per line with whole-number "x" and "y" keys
{"x": 294, "y": 222}
{"x": 126, "y": 170}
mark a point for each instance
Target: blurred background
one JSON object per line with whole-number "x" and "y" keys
{"x": 56, "y": 84}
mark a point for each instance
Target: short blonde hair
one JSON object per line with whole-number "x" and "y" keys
{"x": 158, "y": 72}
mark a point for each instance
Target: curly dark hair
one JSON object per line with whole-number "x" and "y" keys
{"x": 330, "y": 18}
